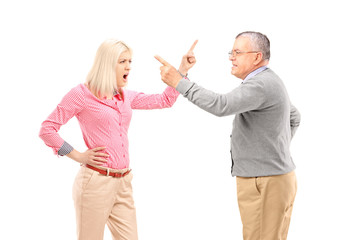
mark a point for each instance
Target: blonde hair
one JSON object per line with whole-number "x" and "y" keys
{"x": 101, "y": 79}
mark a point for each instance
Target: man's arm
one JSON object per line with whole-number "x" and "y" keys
{"x": 246, "y": 97}
{"x": 295, "y": 119}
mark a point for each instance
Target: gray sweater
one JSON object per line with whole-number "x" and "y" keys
{"x": 265, "y": 121}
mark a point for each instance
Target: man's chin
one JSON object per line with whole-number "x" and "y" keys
{"x": 234, "y": 74}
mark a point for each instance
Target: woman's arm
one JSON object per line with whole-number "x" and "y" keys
{"x": 153, "y": 101}
{"x": 90, "y": 156}
{"x": 71, "y": 104}
{"x": 169, "y": 96}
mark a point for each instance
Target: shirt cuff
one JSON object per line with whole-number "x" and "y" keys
{"x": 294, "y": 123}
{"x": 184, "y": 85}
{"x": 65, "y": 149}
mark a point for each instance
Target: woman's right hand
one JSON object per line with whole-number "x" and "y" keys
{"x": 90, "y": 156}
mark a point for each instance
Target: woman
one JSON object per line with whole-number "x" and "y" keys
{"x": 102, "y": 189}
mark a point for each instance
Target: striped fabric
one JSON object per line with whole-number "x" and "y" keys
{"x": 104, "y": 122}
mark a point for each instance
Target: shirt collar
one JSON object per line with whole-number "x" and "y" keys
{"x": 116, "y": 94}
{"x": 119, "y": 94}
{"x": 253, "y": 73}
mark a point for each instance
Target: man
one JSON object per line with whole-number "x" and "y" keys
{"x": 265, "y": 121}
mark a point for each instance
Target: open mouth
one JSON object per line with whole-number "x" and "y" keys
{"x": 125, "y": 76}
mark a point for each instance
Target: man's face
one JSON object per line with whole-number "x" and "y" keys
{"x": 243, "y": 59}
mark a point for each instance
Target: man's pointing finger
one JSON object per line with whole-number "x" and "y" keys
{"x": 161, "y": 60}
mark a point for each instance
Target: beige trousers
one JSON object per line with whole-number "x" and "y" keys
{"x": 101, "y": 200}
{"x": 265, "y": 205}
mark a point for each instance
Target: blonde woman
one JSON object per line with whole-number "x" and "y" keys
{"x": 102, "y": 189}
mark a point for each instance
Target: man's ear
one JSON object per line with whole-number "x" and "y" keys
{"x": 258, "y": 58}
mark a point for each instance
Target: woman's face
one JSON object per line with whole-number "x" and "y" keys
{"x": 123, "y": 69}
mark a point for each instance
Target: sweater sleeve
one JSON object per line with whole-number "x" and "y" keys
{"x": 153, "y": 101}
{"x": 71, "y": 104}
{"x": 248, "y": 96}
{"x": 295, "y": 119}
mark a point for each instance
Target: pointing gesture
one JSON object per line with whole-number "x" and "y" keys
{"x": 169, "y": 74}
{"x": 188, "y": 60}
{"x": 193, "y": 46}
{"x": 162, "y": 61}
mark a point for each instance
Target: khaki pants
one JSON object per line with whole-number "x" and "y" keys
{"x": 101, "y": 200}
{"x": 265, "y": 205}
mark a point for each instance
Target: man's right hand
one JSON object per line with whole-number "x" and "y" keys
{"x": 188, "y": 60}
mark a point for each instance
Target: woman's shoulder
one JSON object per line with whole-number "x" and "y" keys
{"x": 79, "y": 89}
{"x": 130, "y": 94}
{"x": 77, "y": 93}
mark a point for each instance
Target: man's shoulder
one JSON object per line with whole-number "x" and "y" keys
{"x": 266, "y": 74}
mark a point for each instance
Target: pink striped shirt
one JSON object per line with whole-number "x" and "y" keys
{"x": 103, "y": 122}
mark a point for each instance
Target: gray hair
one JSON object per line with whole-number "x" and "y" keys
{"x": 259, "y": 42}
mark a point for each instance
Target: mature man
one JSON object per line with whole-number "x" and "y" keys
{"x": 265, "y": 122}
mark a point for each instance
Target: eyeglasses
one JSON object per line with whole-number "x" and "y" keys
{"x": 236, "y": 53}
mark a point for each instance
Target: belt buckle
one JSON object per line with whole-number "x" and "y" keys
{"x": 107, "y": 172}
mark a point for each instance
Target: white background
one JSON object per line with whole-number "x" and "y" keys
{"x": 180, "y": 156}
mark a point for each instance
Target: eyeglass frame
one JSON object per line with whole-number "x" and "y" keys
{"x": 231, "y": 53}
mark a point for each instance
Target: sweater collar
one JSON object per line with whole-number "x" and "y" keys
{"x": 255, "y": 72}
